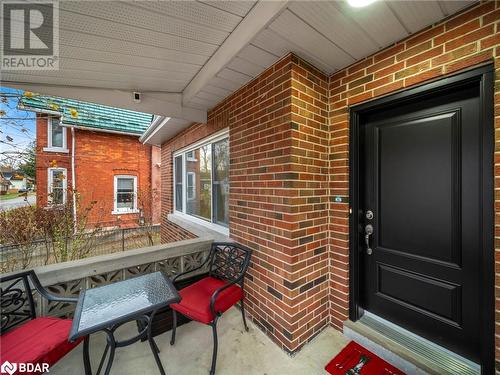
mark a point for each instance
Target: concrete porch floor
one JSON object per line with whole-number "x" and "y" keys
{"x": 240, "y": 352}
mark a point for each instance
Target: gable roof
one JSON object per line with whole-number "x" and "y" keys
{"x": 88, "y": 115}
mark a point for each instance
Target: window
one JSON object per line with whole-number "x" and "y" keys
{"x": 191, "y": 186}
{"x": 125, "y": 194}
{"x": 221, "y": 182}
{"x": 56, "y": 136}
{"x": 190, "y": 156}
{"x": 201, "y": 180}
{"x": 178, "y": 183}
{"x": 201, "y": 171}
{"x": 57, "y": 185}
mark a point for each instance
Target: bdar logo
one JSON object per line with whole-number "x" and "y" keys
{"x": 8, "y": 368}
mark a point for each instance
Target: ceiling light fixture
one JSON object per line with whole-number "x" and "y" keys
{"x": 360, "y": 3}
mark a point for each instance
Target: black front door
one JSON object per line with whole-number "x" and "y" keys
{"x": 420, "y": 235}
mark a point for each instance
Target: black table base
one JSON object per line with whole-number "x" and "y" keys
{"x": 111, "y": 344}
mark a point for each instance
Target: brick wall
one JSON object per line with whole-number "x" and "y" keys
{"x": 171, "y": 232}
{"x": 99, "y": 156}
{"x": 289, "y": 159}
{"x": 466, "y": 40}
{"x": 278, "y": 195}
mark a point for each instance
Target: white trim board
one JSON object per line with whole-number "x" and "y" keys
{"x": 50, "y": 182}
{"x": 122, "y": 211}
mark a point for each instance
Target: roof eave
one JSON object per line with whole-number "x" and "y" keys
{"x": 38, "y": 110}
{"x": 155, "y": 126}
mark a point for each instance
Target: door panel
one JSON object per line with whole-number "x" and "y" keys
{"x": 436, "y": 298}
{"x": 420, "y": 175}
{"x": 408, "y": 151}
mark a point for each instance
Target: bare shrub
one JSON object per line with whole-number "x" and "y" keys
{"x": 19, "y": 227}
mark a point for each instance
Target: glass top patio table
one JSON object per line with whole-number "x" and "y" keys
{"x": 108, "y": 305}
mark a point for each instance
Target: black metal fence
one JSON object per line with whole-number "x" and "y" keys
{"x": 17, "y": 257}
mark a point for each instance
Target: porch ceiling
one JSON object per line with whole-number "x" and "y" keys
{"x": 186, "y": 56}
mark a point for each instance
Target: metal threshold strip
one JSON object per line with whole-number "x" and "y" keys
{"x": 445, "y": 361}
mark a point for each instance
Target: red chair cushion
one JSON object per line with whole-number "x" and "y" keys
{"x": 195, "y": 302}
{"x": 41, "y": 340}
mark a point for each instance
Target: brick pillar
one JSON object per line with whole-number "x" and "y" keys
{"x": 279, "y": 199}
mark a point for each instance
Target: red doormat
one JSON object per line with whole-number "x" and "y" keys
{"x": 356, "y": 360}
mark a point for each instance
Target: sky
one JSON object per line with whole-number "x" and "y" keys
{"x": 17, "y": 127}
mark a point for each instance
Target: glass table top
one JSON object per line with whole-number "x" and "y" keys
{"x": 107, "y": 305}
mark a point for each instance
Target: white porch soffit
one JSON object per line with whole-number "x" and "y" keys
{"x": 186, "y": 56}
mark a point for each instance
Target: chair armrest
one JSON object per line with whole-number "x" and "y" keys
{"x": 47, "y": 295}
{"x": 213, "y": 299}
{"x": 53, "y": 298}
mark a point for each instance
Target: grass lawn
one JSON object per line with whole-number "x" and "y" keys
{"x": 12, "y": 196}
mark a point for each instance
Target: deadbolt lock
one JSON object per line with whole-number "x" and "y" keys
{"x": 369, "y": 214}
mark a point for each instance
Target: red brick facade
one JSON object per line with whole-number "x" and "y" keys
{"x": 289, "y": 158}
{"x": 279, "y": 146}
{"x": 171, "y": 232}
{"x": 99, "y": 157}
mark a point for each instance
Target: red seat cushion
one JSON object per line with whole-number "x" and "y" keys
{"x": 41, "y": 340}
{"x": 195, "y": 302}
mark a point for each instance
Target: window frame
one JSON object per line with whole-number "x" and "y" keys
{"x": 116, "y": 209}
{"x": 218, "y": 136}
{"x": 183, "y": 164}
{"x": 50, "y": 147}
{"x": 50, "y": 182}
{"x": 193, "y": 175}
{"x": 190, "y": 158}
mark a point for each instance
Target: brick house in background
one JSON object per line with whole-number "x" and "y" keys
{"x": 287, "y": 165}
{"x": 101, "y": 144}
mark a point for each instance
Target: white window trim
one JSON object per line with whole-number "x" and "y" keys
{"x": 211, "y": 139}
{"x": 175, "y": 180}
{"x": 50, "y": 183}
{"x": 218, "y": 136}
{"x": 51, "y": 148}
{"x": 190, "y": 158}
{"x": 121, "y": 211}
{"x": 194, "y": 185}
{"x": 213, "y": 226}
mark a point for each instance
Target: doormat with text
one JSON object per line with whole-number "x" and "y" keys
{"x": 357, "y": 360}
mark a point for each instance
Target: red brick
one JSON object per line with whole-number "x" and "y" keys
{"x": 429, "y": 54}
{"x": 425, "y": 35}
{"x": 458, "y": 32}
{"x": 469, "y": 61}
{"x": 493, "y": 40}
{"x": 491, "y": 17}
{"x": 473, "y": 13}
{"x": 424, "y": 76}
{"x": 468, "y": 38}
{"x": 388, "y": 88}
{"x": 425, "y": 46}
{"x": 454, "y": 55}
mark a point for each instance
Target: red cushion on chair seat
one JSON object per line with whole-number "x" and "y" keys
{"x": 195, "y": 302}
{"x": 41, "y": 340}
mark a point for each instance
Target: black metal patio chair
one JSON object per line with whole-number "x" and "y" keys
{"x": 24, "y": 337}
{"x": 206, "y": 300}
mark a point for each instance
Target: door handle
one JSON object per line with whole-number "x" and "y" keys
{"x": 368, "y": 233}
